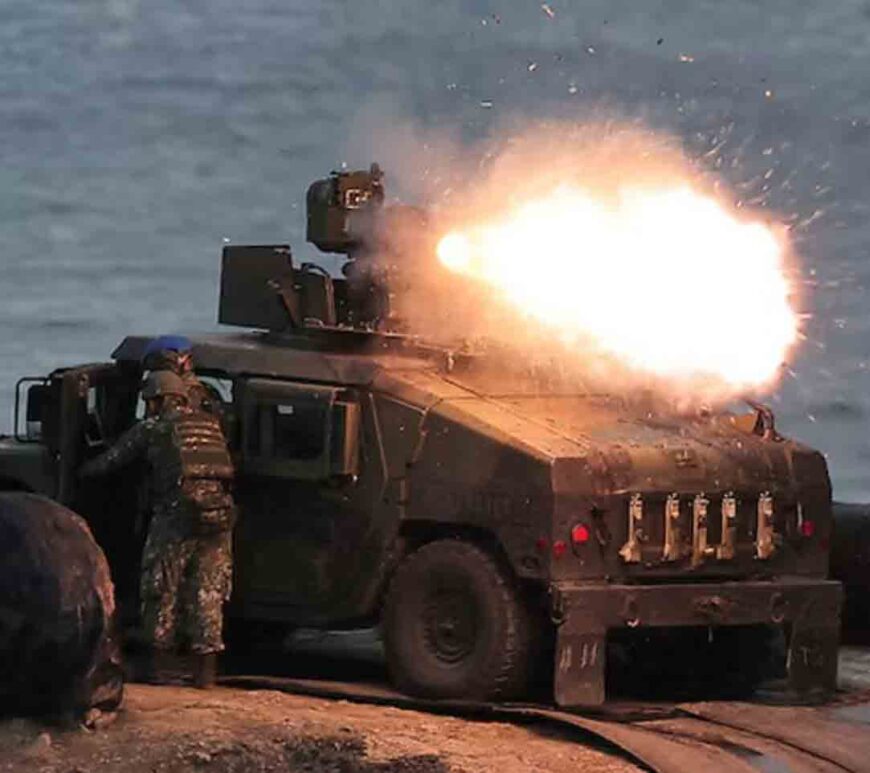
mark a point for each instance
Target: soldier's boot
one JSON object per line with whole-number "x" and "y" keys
{"x": 161, "y": 667}
{"x": 204, "y": 670}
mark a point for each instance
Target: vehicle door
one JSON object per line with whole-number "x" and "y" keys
{"x": 300, "y": 513}
{"x": 97, "y": 403}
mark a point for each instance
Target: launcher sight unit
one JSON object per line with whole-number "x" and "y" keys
{"x": 341, "y": 210}
{"x": 345, "y": 214}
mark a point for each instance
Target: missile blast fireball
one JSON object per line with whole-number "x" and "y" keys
{"x": 664, "y": 279}
{"x": 492, "y": 518}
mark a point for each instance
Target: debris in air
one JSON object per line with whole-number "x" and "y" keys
{"x": 547, "y": 10}
{"x": 768, "y": 94}
{"x": 572, "y": 89}
{"x": 486, "y": 103}
{"x": 686, "y": 58}
{"x": 532, "y": 66}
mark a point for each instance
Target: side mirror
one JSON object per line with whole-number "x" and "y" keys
{"x": 37, "y": 399}
{"x": 32, "y": 409}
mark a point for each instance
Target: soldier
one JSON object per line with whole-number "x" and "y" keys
{"x": 174, "y": 353}
{"x": 186, "y": 563}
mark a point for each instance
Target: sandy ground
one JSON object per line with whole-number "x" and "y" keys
{"x": 225, "y": 730}
{"x": 167, "y": 729}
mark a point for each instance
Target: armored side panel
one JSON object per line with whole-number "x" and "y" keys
{"x": 257, "y": 287}
{"x": 26, "y": 466}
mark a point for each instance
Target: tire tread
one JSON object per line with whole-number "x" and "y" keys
{"x": 509, "y": 677}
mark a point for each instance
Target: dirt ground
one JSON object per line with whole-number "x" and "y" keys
{"x": 168, "y": 729}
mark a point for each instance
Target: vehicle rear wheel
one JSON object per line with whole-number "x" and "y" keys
{"x": 456, "y": 625}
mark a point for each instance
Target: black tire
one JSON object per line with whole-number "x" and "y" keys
{"x": 56, "y": 603}
{"x": 456, "y": 626}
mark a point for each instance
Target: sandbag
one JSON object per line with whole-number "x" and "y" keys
{"x": 58, "y": 653}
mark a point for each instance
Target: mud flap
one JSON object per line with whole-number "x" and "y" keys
{"x": 813, "y": 645}
{"x": 812, "y": 658}
{"x": 581, "y": 658}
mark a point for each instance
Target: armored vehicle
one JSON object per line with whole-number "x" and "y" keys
{"x": 487, "y": 518}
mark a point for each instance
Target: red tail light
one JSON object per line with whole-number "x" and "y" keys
{"x": 808, "y": 528}
{"x": 580, "y": 534}
{"x": 559, "y": 548}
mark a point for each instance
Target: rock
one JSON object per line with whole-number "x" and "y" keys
{"x": 57, "y": 651}
{"x": 97, "y": 719}
{"x": 41, "y": 742}
{"x": 39, "y": 748}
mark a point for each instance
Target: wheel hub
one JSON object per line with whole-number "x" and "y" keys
{"x": 450, "y": 625}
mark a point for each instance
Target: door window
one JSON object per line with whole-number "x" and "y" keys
{"x": 299, "y": 431}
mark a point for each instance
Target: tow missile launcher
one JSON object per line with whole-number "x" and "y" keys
{"x": 479, "y": 514}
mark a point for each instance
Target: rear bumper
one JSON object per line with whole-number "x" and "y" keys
{"x": 727, "y": 603}
{"x": 585, "y": 613}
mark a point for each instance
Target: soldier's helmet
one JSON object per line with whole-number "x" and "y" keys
{"x": 163, "y": 383}
{"x": 166, "y": 353}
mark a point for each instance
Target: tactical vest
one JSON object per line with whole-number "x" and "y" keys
{"x": 200, "y": 446}
{"x": 191, "y": 470}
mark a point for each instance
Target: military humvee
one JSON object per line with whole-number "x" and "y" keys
{"x": 480, "y": 516}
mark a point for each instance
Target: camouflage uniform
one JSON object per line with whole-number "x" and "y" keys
{"x": 187, "y": 559}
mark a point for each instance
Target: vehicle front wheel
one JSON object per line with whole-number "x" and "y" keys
{"x": 456, "y": 626}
